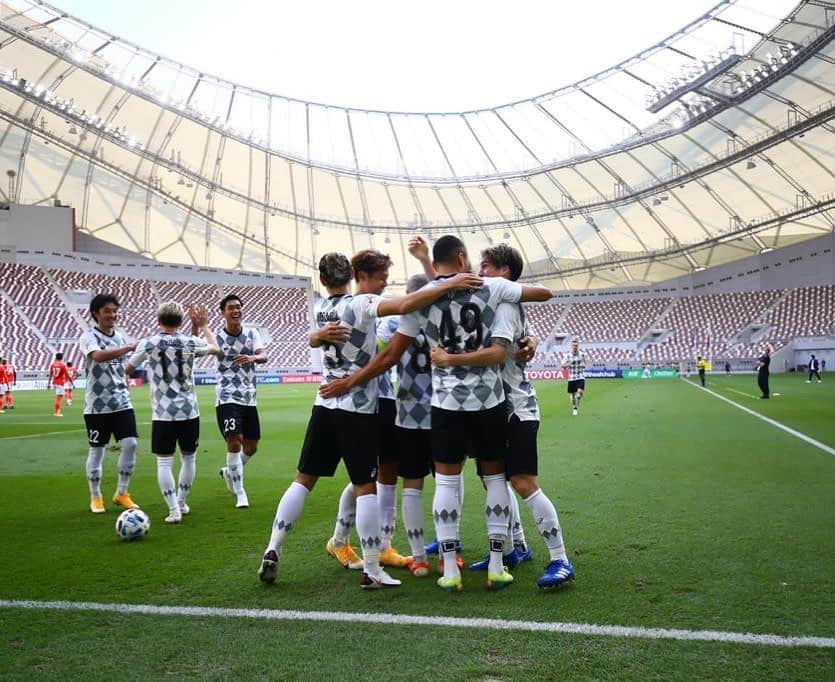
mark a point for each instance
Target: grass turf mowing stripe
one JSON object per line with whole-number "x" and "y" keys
{"x": 769, "y": 420}
{"x": 434, "y": 621}
{"x": 38, "y": 435}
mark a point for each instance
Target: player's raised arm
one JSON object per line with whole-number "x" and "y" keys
{"x": 382, "y": 362}
{"x": 402, "y": 305}
{"x": 199, "y": 315}
{"x": 420, "y": 250}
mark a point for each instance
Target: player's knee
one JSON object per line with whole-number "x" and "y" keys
{"x": 361, "y": 489}
{"x": 492, "y": 468}
{"x": 307, "y": 480}
{"x": 234, "y": 442}
{"x": 250, "y": 447}
{"x": 129, "y": 445}
{"x": 387, "y": 473}
{"x": 524, "y": 484}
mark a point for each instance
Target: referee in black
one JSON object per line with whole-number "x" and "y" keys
{"x": 762, "y": 373}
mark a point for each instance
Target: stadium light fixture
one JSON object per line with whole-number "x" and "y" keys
{"x": 750, "y": 164}
{"x": 766, "y": 249}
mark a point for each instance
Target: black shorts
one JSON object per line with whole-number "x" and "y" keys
{"x": 576, "y": 384}
{"x": 522, "y": 457}
{"x": 242, "y": 419}
{"x": 387, "y": 439}
{"x": 165, "y": 436}
{"x": 338, "y": 434}
{"x": 414, "y": 447}
{"x": 100, "y": 427}
{"x": 457, "y": 434}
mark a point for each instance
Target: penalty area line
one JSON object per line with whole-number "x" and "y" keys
{"x": 797, "y": 434}
{"x": 434, "y": 621}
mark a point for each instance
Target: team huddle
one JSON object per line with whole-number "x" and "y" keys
{"x": 460, "y": 344}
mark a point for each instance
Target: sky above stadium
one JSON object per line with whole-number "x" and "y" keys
{"x": 435, "y": 55}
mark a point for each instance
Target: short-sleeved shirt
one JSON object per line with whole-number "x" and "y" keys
{"x": 386, "y": 327}
{"x": 170, "y": 359}
{"x": 107, "y": 386}
{"x": 236, "y": 383}
{"x": 460, "y": 322}
{"x": 766, "y": 361}
{"x": 11, "y": 375}
{"x": 414, "y": 386}
{"x": 576, "y": 366}
{"x": 58, "y": 373}
{"x": 521, "y": 395}
{"x": 72, "y": 374}
{"x": 359, "y": 314}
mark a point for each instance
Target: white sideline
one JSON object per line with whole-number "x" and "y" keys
{"x": 37, "y": 435}
{"x": 769, "y": 420}
{"x": 433, "y": 621}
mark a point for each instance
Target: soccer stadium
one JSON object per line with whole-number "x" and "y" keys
{"x": 657, "y": 246}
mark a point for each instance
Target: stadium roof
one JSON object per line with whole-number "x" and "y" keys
{"x": 711, "y": 145}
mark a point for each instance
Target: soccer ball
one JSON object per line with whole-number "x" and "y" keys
{"x": 132, "y": 524}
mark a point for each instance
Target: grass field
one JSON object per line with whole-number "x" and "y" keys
{"x": 678, "y": 510}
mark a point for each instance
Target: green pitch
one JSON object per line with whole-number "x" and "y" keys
{"x": 678, "y": 511}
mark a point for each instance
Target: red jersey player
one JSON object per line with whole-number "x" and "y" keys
{"x": 58, "y": 378}
{"x": 9, "y": 380}
{"x": 72, "y": 375}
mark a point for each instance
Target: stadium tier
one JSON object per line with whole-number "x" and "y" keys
{"x": 44, "y": 310}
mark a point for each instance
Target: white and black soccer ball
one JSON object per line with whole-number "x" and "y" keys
{"x": 132, "y": 524}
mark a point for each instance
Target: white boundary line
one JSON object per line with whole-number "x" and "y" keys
{"x": 434, "y": 621}
{"x": 36, "y": 435}
{"x": 797, "y": 434}
{"x": 747, "y": 395}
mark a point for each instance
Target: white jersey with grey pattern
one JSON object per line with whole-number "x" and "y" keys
{"x": 414, "y": 386}
{"x": 107, "y": 386}
{"x": 236, "y": 383}
{"x": 460, "y": 322}
{"x": 359, "y": 314}
{"x": 576, "y": 366}
{"x": 170, "y": 359}
{"x": 521, "y": 395}
{"x": 386, "y": 327}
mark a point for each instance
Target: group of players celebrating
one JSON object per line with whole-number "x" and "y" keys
{"x": 460, "y": 344}
{"x": 170, "y": 356}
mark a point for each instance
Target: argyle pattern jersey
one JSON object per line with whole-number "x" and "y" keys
{"x": 359, "y": 314}
{"x": 521, "y": 395}
{"x": 414, "y": 386}
{"x": 107, "y": 385}
{"x": 170, "y": 366}
{"x": 576, "y": 366}
{"x": 386, "y": 327}
{"x": 460, "y": 322}
{"x": 236, "y": 383}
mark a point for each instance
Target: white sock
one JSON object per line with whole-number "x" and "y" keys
{"x": 497, "y": 512}
{"x": 165, "y": 478}
{"x": 446, "y": 510}
{"x": 127, "y": 460}
{"x": 346, "y": 517}
{"x": 387, "y": 502}
{"x": 188, "y": 468}
{"x": 286, "y": 514}
{"x": 545, "y": 516}
{"x": 95, "y": 456}
{"x": 368, "y": 528}
{"x": 236, "y": 471}
{"x": 516, "y": 529}
{"x": 413, "y": 520}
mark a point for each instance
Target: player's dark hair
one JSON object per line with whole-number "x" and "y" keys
{"x": 335, "y": 269}
{"x": 69, "y": 363}
{"x": 447, "y": 248}
{"x": 370, "y": 261}
{"x": 59, "y": 356}
{"x": 416, "y": 282}
{"x": 502, "y": 255}
{"x": 101, "y": 300}
{"x": 226, "y": 299}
